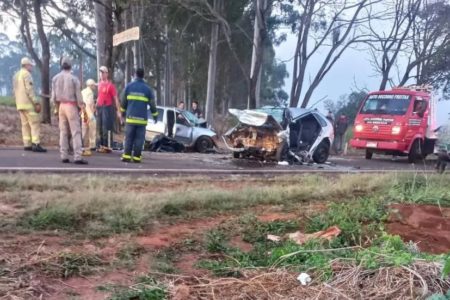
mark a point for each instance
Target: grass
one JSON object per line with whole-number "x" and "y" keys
{"x": 7, "y": 100}
{"x": 67, "y": 264}
{"x": 146, "y": 288}
{"x": 96, "y": 206}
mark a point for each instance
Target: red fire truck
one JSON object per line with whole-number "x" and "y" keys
{"x": 397, "y": 122}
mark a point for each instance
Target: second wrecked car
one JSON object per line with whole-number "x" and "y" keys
{"x": 279, "y": 134}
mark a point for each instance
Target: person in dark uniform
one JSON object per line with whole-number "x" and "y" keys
{"x": 136, "y": 98}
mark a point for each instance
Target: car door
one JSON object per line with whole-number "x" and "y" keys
{"x": 183, "y": 129}
{"x": 153, "y": 129}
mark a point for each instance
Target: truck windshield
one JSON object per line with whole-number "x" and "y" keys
{"x": 386, "y": 104}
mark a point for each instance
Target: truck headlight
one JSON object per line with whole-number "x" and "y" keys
{"x": 396, "y": 130}
{"x": 359, "y": 128}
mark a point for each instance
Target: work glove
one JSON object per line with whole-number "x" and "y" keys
{"x": 155, "y": 119}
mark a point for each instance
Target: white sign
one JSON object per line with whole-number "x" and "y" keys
{"x": 131, "y": 34}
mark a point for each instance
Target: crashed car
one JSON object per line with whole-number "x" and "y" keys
{"x": 183, "y": 126}
{"x": 280, "y": 134}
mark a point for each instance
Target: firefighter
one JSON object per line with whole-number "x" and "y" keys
{"x": 28, "y": 107}
{"x": 136, "y": 98}
{"x": 66, "y": 94}
{"x": 89, "y": 124}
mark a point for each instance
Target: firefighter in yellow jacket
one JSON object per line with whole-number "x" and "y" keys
{"x": 28, "y": 107}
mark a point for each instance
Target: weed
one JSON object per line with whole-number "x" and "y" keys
{"x": 146, "y": 288}
{"x": 164, "y": 261}
{"x": 171, "y": 210}
{"x": 216, "y": 241}
{"x": 51, "y": 218}
{"x": 363, "y": 218}
{"x": 128, "y": 254}
{"x": 68, "y": 264}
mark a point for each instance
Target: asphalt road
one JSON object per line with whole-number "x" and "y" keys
{"x": 17, "y": 160}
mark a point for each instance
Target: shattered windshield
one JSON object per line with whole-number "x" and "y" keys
{"x": 386, "y": 104}
{"x": 191, "y": 117}
{"x": 275, "y": 112}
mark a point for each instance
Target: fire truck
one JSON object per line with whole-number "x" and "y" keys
{"x": 397, "y": 122}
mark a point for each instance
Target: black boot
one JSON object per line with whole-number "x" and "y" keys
{"x": 81, "y": 162}
{"x": 38, "y": 148}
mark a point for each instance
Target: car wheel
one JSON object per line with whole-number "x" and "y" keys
{"x": 322, "y": 152}
{"x": 282, "y": 151}
{"x": 203, "y": 144}
{"x": 415, "y": 153}
{"x": 369, "y": 154}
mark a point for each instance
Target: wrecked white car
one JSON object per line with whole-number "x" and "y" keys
{"x": 280, "y": 134}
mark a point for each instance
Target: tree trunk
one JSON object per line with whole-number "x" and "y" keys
{"x": 104, "y": 32}
{"x": 168, "y": 72}
{"x": 259, "y": 37}
{"x": 45, "y": 64}
{"x": 212, "y": 68}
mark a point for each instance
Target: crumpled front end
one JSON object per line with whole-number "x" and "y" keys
{"x": 257, "y": 135}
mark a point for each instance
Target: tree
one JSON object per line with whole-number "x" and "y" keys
{"x": 259, "y": 39}
{"x": 387, "y": 46}
{"x": 29, "y": 12}
{"x": 330, "y": 26}
{"x": 212, "y": 68}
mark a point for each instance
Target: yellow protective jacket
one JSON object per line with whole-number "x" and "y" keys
{"x": 23, "y": 90}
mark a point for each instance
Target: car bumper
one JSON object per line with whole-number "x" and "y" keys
{"x": 379, "y": 145}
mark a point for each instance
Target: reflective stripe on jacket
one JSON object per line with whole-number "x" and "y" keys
{"x": 135, "y": 101}
{"x": 23, "y": 90}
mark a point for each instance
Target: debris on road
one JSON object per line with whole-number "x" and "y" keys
{"x": 163, "y": 143}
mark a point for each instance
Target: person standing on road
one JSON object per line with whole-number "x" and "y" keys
{"x": 107, "y": 107}
{"x": 136, "y": 98}
{"x": 89, "y": 124}
{"x": 28, "y": 107}
{"x": 66, "y": 94}
{"x": 340, "y": 130}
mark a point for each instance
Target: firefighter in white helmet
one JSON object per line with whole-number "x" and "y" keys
{"x": 28, "y": 107}
{"x": 89, "y": 123}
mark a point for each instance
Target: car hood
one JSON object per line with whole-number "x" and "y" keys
{"x": 254, "y": 118}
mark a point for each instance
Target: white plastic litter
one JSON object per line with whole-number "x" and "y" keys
{"x": 283, "y": 163}
{"x": 304, "y": 278}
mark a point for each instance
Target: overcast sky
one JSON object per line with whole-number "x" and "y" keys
{"x": 353, "y": 70}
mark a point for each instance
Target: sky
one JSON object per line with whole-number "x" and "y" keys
{"x": 351, "y": 72}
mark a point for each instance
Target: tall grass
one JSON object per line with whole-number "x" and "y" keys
{"x": 102, "y": 205}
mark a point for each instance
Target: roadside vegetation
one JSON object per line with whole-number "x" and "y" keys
{"x": 129, "y": 220}
{"x": 7, "y": 100}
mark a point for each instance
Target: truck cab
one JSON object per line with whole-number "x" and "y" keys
{"x": 396, "y": 122}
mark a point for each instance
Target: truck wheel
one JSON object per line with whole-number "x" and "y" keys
{"x": 322, "y": 152}
{"x": 282, "y": 151}
{"x": 203, "y": 144}
{"x": 415, "y": 153}
{"x": 369, "y": 154}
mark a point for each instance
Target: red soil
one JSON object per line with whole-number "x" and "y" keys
{"x": 426, "y": 225}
